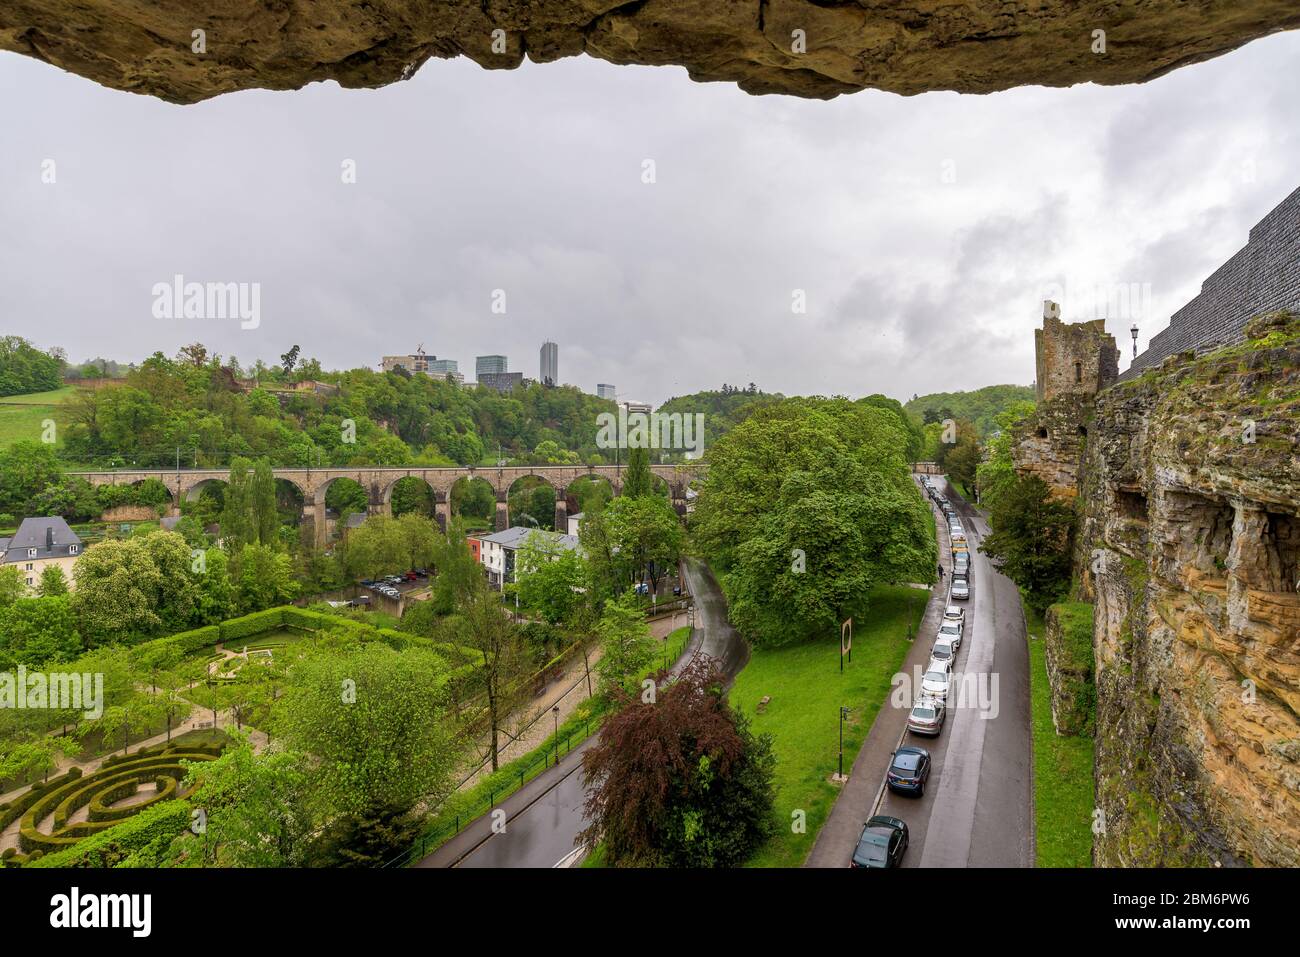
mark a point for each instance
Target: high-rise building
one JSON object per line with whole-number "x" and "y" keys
{"x": 606, "y": 391}
{"x": 550, "y": 371}
{"x": 489, "y": 365}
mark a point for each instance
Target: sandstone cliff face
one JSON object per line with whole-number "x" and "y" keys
{"x": 1190, "y": 542}
{"x": 976, "y": 46}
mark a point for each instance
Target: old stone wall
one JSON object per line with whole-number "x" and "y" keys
{"x": 1262, "y": 277}
{"x": 1189, "y": 547}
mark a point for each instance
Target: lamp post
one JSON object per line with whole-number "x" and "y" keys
{"x": 556, "y": 713}
{"x": 1133, "y": 330}
{"x": 844, "y": 713}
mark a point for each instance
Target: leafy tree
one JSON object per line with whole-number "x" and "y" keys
{"x": 961, "y": 458}
{"x": 370, "y": 717}
{"x": 806, "y": 503}
{"x": 646, "y": 534}
{"x": 27, "y": 468}
{"x": 117, "y": 589}
{"x": 12, "y": 585}
{"x": 238, "y": 527}
{"x": 215, "y": 598}
{"x": 626, "y": 646}
{"x": 637, "y": 479}
{"x": 1031, "y": 539}
{"x": 265, "y": 579}
{"x": 38, "y": 631}
{"x": 265, "y": 518}
{"x": 503, "y": 658}
{"x": 23, "y": 368}
{"x": 53, "y": 582}
{"x": 680, "y": 782}
{"x": 256, "y": 812}
{"x": 553, "y": 580}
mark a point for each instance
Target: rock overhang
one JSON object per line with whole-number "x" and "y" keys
{"x": 185, "y": 51}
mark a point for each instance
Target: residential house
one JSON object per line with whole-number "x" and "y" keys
{"x": 498, "y": 550}
{"x": 39, "y": 543}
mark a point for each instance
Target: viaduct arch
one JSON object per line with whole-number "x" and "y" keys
{"x": 379, "y": 481}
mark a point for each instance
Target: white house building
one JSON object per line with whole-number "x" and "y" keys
{"x": 497, "y": 551}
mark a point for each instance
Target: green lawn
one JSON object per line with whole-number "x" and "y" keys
{"x": 1063, "y": 798}
{"x": 807, "y": 690}
{"x": 21, "y": 415}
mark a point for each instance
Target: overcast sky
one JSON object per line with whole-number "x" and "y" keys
{"x": 923, "y": 232}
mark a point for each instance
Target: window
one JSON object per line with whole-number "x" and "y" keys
{"x": 72, "y": 549}
{"x": 1078, "y": 372}
{"x": 29, "y": 581}
{"x": 31, "y": 553}
{"x": 28, "y": 568}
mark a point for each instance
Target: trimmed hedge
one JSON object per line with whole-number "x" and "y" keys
{"x": 122, "y": 844}
{"x": 259, "y": 621}
{"x": 65, "y": 800}
{"x": 12, "y": 812}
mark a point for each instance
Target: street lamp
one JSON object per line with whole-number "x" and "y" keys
{"x": 556, "y": 712}
{"x": 1134, "y": 331}
{"x": 844, "y": 714}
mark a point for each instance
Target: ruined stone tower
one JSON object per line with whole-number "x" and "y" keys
{"x": 1075, "y": 361}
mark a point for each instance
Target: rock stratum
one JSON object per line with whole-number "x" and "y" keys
{"x": 810, "y": 48}
{"x": 1189, "y": 497}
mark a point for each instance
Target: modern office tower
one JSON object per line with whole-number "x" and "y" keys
{"x": 440, "y": 367}
{"x": 550, "y": 371}
{"x": 489, "y": 365}
{"x": 606, "y": 391}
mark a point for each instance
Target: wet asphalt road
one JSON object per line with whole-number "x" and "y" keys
{"x": 543, "y": 819}
{"x": 977, "y": 806}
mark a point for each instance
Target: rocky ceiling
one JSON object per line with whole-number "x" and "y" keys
{"x": 811, "y": 48}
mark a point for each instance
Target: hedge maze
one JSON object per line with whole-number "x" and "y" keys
{"x": 47, "y": 809}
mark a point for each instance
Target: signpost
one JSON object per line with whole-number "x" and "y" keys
{"x": 846, "y": 642}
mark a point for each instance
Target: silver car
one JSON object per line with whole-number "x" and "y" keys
{"x": 960, "y": 589}
{"x": 951, "y": 631}
{"x": 935, "y": 681}
{"x": 926, "y": 716}
{"x": 955, "y": 613}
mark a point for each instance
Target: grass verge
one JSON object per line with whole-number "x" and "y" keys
{"x": 807, "y": 691}
{"x": 1063, "y": 798}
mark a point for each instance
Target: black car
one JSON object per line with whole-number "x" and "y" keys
{"x": 909, "y": 771}
{"x": 882, "y": 844}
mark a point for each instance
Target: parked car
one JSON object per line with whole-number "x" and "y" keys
{"x": 367, "y": 582}
{"x": 956, "y": 613}
{"x": 960, "y": 589}
{"x": 951, "y": 630}
{"x": 927, "y": 715}
{"x": 936, "y": 680}
{"x": 942, "y": 654}
{"x": 422, "y": 573}
{"x": 883, "y": 843}
{"x": 411, "y": 576}
{"x": 909, "y": 770}
{"x": 360, "y": 601}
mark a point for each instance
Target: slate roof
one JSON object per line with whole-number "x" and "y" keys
{"x": 51, "y": 537}
{"x": 513, "y": 538}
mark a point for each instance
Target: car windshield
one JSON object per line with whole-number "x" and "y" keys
{"x": 939, "y": 676}
{"x": 950, "y": 628}
{"x": 907, "y": 761}
{"x": 922, "y": 712}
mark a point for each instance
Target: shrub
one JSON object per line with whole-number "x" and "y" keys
{"x": 113, "y": 846}
{"x": 249, "y": 625}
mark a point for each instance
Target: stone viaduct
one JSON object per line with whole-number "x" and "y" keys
{"x": 188, "y": 484}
